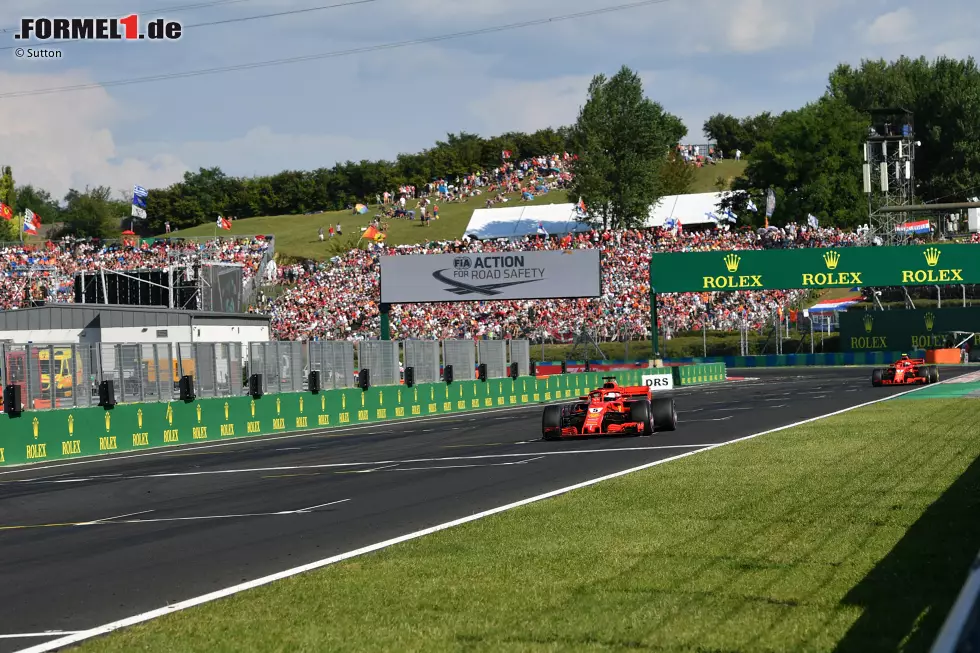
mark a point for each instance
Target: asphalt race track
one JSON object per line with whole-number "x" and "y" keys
{"x": 86, "y": 543}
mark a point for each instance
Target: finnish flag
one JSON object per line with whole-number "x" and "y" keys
{"x": 731, "y": 216}
{"x": 751, "y": 207}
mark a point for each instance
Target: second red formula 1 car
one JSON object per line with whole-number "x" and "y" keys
{"x": 611, "y": 409}
{"x": 905, "y": 371}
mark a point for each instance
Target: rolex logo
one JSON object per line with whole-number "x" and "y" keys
{"x": 139, "y": 418}
{"x": 932, "y": 256}
{"x": 108, "y": 421}
{"x": 930, "y": 321}
{"x": 399, "y": 396}
{"x": 170, "y": 415}
{"x": 362, "y": 399}
{"x": 253, "y": 408}
{"x": 831, "y": 259}
{"x": 732, "y": 261}
{"x": 868, "y": 323}
{"x": 71, "y": 425}
{"x": 37, "y": 425}
{"x": 323, "y": 402}
{"x": 226, "y": 411}
{"x": 381, "y": 398}
{"x": 278, "y": 405}
{"x": 301, "y": 404}
{"x": 199, "y": 413}
{"x": 343, "y": 401}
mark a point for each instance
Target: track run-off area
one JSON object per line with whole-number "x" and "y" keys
{"x": 94, "y": 541}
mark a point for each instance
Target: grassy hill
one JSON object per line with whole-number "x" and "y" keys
{"x": 296, "y": 235}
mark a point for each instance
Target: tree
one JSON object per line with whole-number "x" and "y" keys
{"x": 944, "y": 97}
{"x": 622, "y": 139}
{"x": 9, "y": 229}
{"x": 92, "y": 214}
{"x": 676, "y": 175}
{"x": 39, "y": 201}
{"x": 731, "y": 133}
{"x": 813, "y": 163}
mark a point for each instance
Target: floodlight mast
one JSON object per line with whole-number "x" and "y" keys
{"x": 889, "y": 171}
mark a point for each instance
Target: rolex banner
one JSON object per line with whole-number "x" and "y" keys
{"x": 844, "y": 267}
{"x": 906, "y": 330}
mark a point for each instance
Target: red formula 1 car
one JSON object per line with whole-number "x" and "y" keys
{"x": 611, "y": 409}
{"x": 905, "y": 371}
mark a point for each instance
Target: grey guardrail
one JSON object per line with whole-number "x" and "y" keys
{"x": 961, "y": 631}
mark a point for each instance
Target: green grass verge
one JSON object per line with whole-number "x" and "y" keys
{"x": 296, "y": 235}
{"x": 850, "y": 534}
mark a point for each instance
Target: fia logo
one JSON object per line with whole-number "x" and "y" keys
{"x": 199, "y": 413}
{"x": 139, "y": 418}
{"x": 37, "y": 425}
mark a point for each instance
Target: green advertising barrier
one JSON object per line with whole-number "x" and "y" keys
{"x": 904, "y": 330}
{"x": 685, "y": 375}
{"x": 843, "y": 267}
{"x": 41, "y": 436}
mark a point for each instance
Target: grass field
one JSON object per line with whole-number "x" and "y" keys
{"x": 851, "y": 534}
{"x": 296, "y": 236}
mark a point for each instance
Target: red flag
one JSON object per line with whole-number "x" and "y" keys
{"x": 6, "y": 212}
{"x": 371, "y": 233}
{"x": 224, "y": 223}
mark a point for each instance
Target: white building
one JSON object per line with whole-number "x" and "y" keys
{"x": 76, "y": 324}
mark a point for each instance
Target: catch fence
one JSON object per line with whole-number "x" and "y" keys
{"x": 70, "y": 376}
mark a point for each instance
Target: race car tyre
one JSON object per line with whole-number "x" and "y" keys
{"x": 550, "y": 420}
{"x": 640, "y": 412}
{"x": 933, "y": 374}
{"x": 876, "y": 378}
{"x": 664, "y": 414}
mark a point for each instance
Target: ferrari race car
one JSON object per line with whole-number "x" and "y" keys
{"x": 611, "y": 409}
{"x": 905, "y": 371}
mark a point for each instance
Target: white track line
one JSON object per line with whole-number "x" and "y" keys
{"x": 213, "y": 596}
{"x": 99, "y": 521}
{"x": 373, "y": 463}
{"x": 50, "y": 633}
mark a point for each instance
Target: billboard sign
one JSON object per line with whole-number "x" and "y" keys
{"x": 842, "y": 267}
{"x": 471, "y": 277}
{"x": 906, "y": 330}
{"x": 659, "y": 381}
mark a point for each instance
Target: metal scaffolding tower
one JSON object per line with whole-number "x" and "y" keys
{"x": 889, "y": 171}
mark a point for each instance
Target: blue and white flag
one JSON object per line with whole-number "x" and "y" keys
{"x": 670, "y": 224}
{"x": 752, "y": 207}
{"x": 770, "y": 203}
{"x": 139, "y": 191}
{"x": 541, "y": 230}
{"x": 139, "y": 202}
{"x": 731, "y": 216}
{"x": 711, "y": 216}
{"x": 812, "y": 221}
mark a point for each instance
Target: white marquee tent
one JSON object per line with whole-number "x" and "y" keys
{"x": 521, "y": 221}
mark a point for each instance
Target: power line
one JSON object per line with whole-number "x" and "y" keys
{"x": 329, "y": 55}
{"x": 172, "y": 9}
{"x": 225, "y": 21}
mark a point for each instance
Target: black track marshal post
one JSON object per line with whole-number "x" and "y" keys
{"x": 386, "y": 321}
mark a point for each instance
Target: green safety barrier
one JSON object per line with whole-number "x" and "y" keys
{"x": 699, "y": 373}
{"x": 38, "y": 436}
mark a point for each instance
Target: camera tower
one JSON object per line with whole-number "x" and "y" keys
{"x": 889, "y": 171}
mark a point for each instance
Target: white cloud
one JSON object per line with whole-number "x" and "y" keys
{"x": 62, "y": 142}
{"x": 511, "y": 105}
{"x": 891, "y": 28}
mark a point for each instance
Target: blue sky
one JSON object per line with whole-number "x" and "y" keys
{"x": 697, "y": 57}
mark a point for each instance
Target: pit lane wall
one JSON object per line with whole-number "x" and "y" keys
{"x": 53, "y": 435}
{"x": 804, "y": 360}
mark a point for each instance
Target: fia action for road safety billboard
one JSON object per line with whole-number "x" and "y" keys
{"x": 469, "y": 277}
{"x": 843, "y": 267}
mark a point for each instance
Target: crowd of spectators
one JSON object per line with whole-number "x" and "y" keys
{"x": 46, "y": 272}
{"x": 338, "y": 299}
